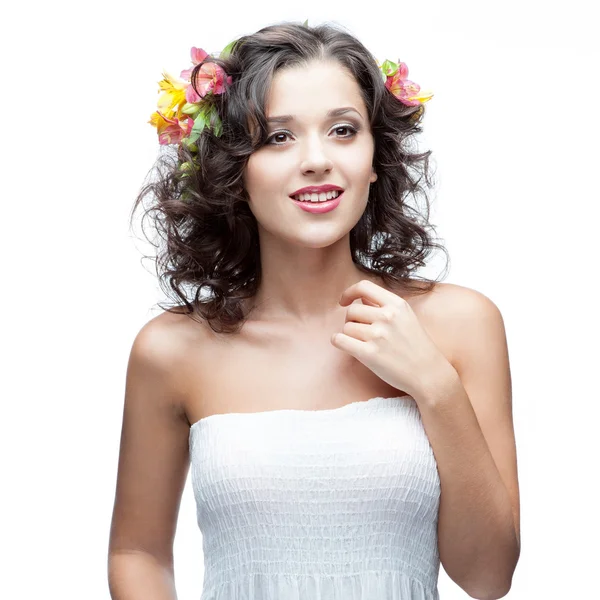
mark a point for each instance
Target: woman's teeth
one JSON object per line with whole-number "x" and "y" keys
{"x": 317, "y": 197}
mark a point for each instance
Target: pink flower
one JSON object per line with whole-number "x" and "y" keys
{"x": 198, "y": 55}
{"x": 210, "y": 78}
{"x": 405, "y": 90}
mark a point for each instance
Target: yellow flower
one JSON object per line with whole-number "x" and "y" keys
{"x": 172, "y": 99}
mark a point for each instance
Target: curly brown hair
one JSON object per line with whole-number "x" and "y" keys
{"x": 208, "y": 237}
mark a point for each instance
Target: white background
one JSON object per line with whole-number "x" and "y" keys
{"x": 514, "y": 129}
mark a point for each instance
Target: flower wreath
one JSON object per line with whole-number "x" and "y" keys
{"x": 183, "y": 112}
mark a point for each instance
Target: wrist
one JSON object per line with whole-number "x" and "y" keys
{"x": 438, "y": 384}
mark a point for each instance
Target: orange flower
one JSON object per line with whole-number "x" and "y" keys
{"x": 170, "y": 131}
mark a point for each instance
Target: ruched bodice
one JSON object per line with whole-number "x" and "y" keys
{"x": 338, "y": 504}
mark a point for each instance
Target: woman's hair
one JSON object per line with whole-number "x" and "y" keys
{"x": 210, "y": 236}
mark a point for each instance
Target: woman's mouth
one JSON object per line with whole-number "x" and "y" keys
{"x": 318, "y": 207}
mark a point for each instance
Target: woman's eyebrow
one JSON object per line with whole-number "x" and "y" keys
{"x": 336, "y": 112}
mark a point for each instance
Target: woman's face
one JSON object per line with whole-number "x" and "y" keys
{"x": 312, "y": 148}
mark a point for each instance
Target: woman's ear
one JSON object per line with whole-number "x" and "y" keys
{"x": 373, "y": 177}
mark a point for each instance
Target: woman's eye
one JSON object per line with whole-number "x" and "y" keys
{"x": 278, "y": 135}
{"x": 349, "y": 128}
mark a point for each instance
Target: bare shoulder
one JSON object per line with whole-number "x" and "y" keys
{"x": 159, "y": 340}
{"x": 158, "y": 334}
{"x": 174, "y": 330}
{"x": 459, "y": 309}
{"x": 160, "y": 349}
{"x": 447, "y": 311}
{"x": 449, "y": 299}
{"x": 460, "y": 302}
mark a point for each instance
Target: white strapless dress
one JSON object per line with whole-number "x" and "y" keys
{"x": 337, "y": 504}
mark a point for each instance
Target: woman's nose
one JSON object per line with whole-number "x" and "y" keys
{"x": 314, "y": 155}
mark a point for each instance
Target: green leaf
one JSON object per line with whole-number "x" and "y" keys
{"x": 201, "y": 119}
{"x": 217, "y": 126}
{"x": 213, "y": 120}
{"x": 227, "y": 50}
{"x": 200, "y": 122}
{"x": 389, "y": 68}
{"x": 193, "y": 137}
{"x": 191, "y": 109}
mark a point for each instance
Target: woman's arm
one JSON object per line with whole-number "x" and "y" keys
{"x": 152, "y": 470}
{"x": 134, "y": 575}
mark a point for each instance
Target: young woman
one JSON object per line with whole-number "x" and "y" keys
{"x": 348, "y": 427}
